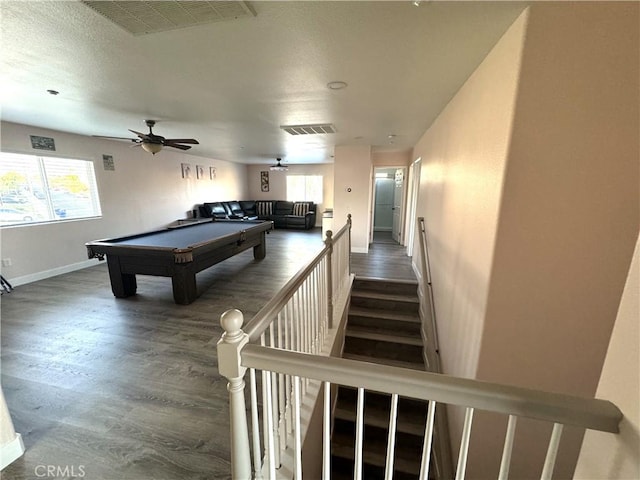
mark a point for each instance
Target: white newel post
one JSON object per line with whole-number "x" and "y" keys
{"x": 229, "y": 347}
{"x": 329, "y": 243}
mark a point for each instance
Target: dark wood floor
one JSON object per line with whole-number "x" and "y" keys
{"x": 128, "y": 388}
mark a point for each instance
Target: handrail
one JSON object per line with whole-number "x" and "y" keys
{"x": 426, "y": 268}
{"x": 595, "y": 414}
{"x": 261, "y": 320}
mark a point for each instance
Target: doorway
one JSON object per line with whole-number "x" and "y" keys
{"x": 388, "y": 199}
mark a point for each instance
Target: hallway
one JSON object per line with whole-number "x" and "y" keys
{"x": 386, "y": 259}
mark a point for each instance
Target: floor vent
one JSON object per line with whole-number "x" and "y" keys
{"x": 312, "y": 129}
{"x": 142, "y": 17}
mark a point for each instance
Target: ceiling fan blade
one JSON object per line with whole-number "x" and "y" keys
{"x": 141, "y": 135}
{"x": 176, "y": 145}
{"x": 182, "y": 140}
{"x": 117, "y": 138}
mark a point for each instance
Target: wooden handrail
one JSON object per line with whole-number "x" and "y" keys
{"x": 594, "y": 414}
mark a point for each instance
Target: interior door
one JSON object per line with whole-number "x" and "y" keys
{"x": 398, "y": 196}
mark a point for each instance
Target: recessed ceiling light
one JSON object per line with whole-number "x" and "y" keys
{"x": 53, "y": 92}
{"x": 337, "y": 85}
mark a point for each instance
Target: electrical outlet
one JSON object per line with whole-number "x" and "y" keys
{"x": 6, "y": 262}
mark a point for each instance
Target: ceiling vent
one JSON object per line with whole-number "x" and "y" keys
{"x": 314, "y": 129}
{"x": 142, "y": 17}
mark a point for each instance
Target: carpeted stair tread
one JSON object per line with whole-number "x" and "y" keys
{"x": 384, "y": 361}
{"x": 386, "y": 285}
{"x": 385, "y": 296}
{"x": 368, "y": 334}
{"x": 375, "y": 454}
{"x": 379, "y": 417}
{"x": 386, "y": 315}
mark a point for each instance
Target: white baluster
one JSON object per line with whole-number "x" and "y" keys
{"x": 428, "y": 440}
{"x": 329, "y": 278}
{"x": 297, "y": 432}
{"x": 357, "y": 466}
{"x": 464, "y": 444}
{"x": 273, "y": 387}
{"x": 229, "y": 348}
{"x": 552, "y": 452}
{"x": 391, "y": 439}
{"x": 326, "y": 433}
{"x": 282, "y": 429}
{"x": 289, "y": 346}
{"x": 508, "y": 447}
{"x": 255, "y": 428}
{"x": 271, "y": 440}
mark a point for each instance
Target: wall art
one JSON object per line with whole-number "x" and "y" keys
{"x": 42, "y": 143}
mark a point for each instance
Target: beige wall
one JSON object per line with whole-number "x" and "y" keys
{"x": 529, "y": 188}
{"x": 570, "y": 209}
{"x": 144, "y": 192}
{"x": 353, "y": 172}
{"x": 391, "y": 159}
{"x": 463, "y": 160}
{"x": 606, "y": 456}
{"x": 278, "y": 183}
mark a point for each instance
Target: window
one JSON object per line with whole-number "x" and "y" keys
{"x": 304, "y": 188}
{"x": 46, "y": 189}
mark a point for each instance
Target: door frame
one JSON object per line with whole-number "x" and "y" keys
{"x": 403, "y": 207}
{"x": 412, "y": 200}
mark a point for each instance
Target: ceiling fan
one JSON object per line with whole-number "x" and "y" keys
{"x": 153, "y": 143}
{"x": 278, "y": 167}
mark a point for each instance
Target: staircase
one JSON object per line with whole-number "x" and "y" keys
{"x": 384, "y": 328}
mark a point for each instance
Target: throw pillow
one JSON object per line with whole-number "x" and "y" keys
{"x": 300, "y": 209}
{"x": 263, "y": 209}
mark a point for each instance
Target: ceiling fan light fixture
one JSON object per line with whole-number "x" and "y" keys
{"x": 152, "y": 148}
{"x": 278, "y": 167}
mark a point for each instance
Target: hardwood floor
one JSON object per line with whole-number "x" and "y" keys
{"x": 115, "y": 389}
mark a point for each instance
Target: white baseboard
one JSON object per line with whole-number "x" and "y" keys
{"x": 34, "y": 277}
{"x": 359, "y": 250}
{"x": 9, "y": 452}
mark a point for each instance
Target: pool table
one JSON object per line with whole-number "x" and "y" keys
{"x": 178, "y": 252}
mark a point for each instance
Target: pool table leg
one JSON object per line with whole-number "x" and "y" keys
{"x": 260, "y": 250}
{"x": 184, "y": 286}
{"x": 122, "y": 284}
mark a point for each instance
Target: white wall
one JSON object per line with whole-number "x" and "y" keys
{"x": 603, "y": 455}
{"x": 11, "y": 445}
{"x": 570, "y": 211}
{"x": 278, "y": 184}
{"x": 143, "y": 193}
{"x": 464, "y": 155}
{"x": 530, "y": 193}
{"x": 353, "y": 172}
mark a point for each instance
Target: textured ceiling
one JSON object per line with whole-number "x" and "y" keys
{"x": 233, "y": 84}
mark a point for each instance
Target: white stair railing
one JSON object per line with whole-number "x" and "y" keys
{"x": 437, "y": 389}
{"x": 299, "y": 318}
{"x": 287, "y": 343}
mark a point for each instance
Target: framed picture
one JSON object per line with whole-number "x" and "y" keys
{"x": 42, "y": 143}
{"x": 264, "y": 181}
{"x": 107, "y": 162}
{"x": 186, "y": 170}
{"x": 199, "y": 171}
{"x": 212, "y": 173}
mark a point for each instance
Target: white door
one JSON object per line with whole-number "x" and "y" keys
{"x": 398, "y": 196}
{"x": 413, "y": 205}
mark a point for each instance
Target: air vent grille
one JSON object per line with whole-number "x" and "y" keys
{"x": 142, "y": 17}
{"x": 313, "y": 129}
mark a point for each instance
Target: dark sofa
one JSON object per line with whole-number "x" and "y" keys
{"x": 283, "y": 214}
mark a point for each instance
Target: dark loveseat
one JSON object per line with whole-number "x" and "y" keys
{"x": 283, "y": 214}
